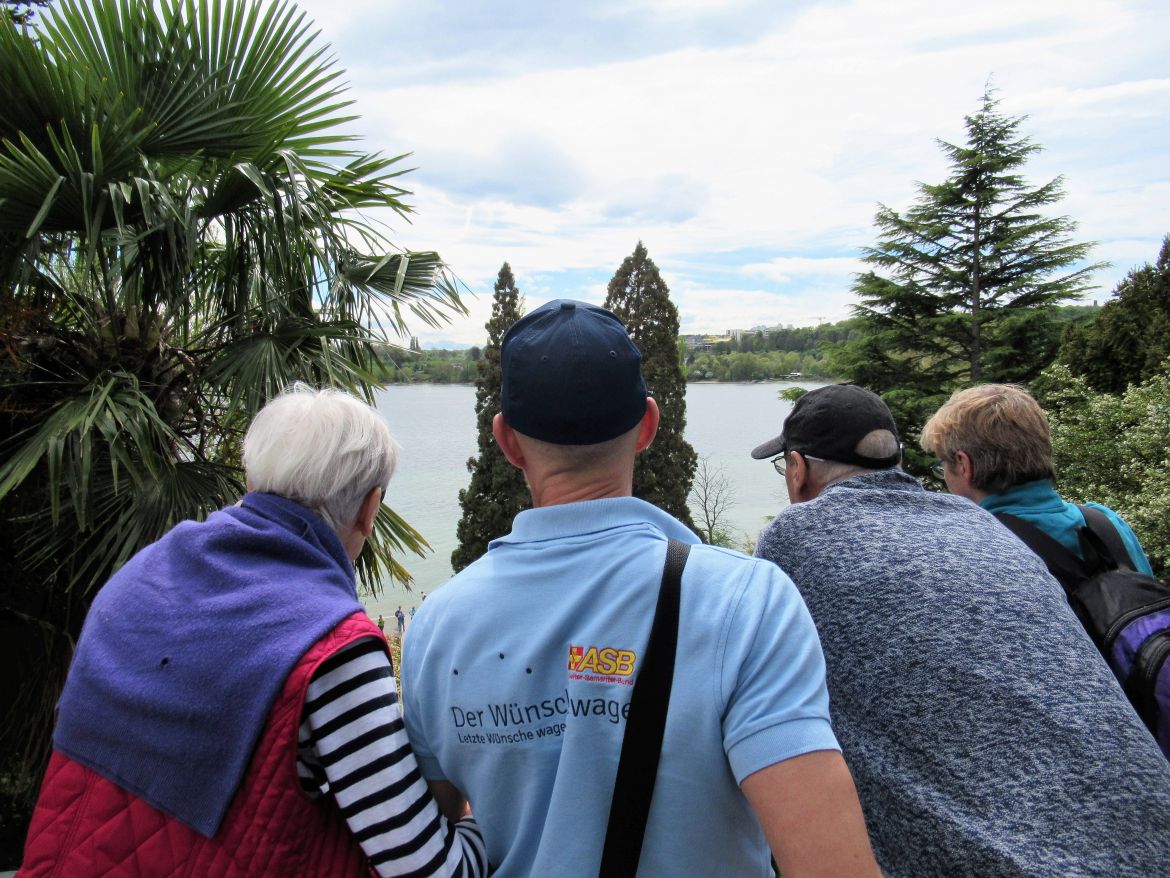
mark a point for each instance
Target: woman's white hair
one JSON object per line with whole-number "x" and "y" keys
{"x": 324, "y": 449}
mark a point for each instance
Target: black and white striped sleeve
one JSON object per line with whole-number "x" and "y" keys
{"x": 353, "y": 746}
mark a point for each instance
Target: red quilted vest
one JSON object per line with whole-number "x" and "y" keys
{"x": 86, "y": 825}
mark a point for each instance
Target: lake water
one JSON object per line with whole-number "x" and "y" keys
{"x": 435, "y": 424}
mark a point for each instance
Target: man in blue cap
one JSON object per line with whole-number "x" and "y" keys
{"x": 518, "y": 672}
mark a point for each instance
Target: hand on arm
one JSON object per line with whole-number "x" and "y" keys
{"x": 810, "y": 814}
{"x": 353, "y": 733}
{"x": 450, "y": 800}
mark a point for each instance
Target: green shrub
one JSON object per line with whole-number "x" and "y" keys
{"x": 1113, "y": 449}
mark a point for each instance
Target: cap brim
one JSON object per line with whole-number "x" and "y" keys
{"x": 769, "y": 449}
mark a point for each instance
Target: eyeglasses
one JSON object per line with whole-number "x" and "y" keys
{"x": 938, "y": 470}
{"x": 779, "y": 463}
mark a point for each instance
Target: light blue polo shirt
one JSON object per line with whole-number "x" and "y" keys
{"x": 517, "y": 677}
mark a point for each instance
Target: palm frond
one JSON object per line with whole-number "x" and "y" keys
{"x": 134, "y": 515}
{"x": 379, "y": 559}
{"x": 110, "y": 420}
{"x": 185, "y": 229}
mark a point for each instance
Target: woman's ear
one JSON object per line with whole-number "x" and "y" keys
{"x": 960, "y": 478}
{"x": 368, "y": 512}
{"x": 965, "y": 466}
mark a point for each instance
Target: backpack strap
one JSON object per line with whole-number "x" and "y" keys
{"x": 1099, "y": 525}
{"x": 642, "y": 744}
{"x": 1062, "y": 563}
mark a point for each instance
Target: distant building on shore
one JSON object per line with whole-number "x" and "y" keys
{"x": 698, "y": 343}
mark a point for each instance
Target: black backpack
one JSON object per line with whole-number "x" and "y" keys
{"x": 1127, "y": 613}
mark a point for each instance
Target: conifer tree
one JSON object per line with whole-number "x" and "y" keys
{"x": 1128, "y": 341}
{"x": 497, "y": 490}
{"x": 963, "y": 281}
{"x": 664, "y": 472}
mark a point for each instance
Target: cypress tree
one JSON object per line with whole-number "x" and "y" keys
{"x": 664, "y": 472}
{"x": 497, "y": 490}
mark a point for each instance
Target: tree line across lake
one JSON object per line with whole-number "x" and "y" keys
{"x": 776, "y": 354}
{"x": 782, "y": 353}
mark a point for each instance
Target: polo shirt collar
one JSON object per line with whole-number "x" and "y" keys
{"x": 592, "y": 516}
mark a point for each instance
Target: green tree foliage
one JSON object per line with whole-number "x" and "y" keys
{"x": 637, "y": 294}
{"x": 497, "y": 490}
{"x": 782, "y": 352}
{"x": 426, "y": 367}
{"x": 966, "y": 273}
{"x": 964, "y": 283}
{"x": 770, "y": 366}
{"x": 1112, "y": 449}
{"x": 181, "y": 237}
{"x": 1128, "y": 341}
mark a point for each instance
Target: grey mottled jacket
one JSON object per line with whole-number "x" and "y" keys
{"x": 986, "y": 735}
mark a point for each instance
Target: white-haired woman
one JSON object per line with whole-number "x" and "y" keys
{"x": 231, "y": 707}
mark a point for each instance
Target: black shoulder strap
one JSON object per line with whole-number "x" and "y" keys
{"x": 642, "y": 745}
{"x": 1062, "y": 563}
{"x": 1100, "y": 526}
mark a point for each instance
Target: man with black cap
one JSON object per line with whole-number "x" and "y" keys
{"x": 986, "y": 735}
{"x": 518, "y": 672}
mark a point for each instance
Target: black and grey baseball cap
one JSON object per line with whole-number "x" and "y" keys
{"x": 829, "y": 423}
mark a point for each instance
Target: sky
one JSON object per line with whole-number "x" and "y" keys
{"x": 747, "y": 144}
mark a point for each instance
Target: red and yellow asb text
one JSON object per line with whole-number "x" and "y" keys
{"x": 605, "y": 660}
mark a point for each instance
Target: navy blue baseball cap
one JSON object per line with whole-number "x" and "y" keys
{"x": 571, "y": 375}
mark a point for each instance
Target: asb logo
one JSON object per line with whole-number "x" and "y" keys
{"x": 604, "y": 660}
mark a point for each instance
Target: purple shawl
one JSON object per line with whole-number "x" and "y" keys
{"x": 187, "y": 646}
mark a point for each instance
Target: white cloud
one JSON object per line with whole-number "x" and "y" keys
{"x": 783, "y": 269}
{"x": 1133, "y": 99}
{"x": 684, "y": 7}
{"x": 777, "y": 147}
{"x": 708, "y": 310}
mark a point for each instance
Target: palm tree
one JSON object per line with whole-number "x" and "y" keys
{"x": 184, "y": 230}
